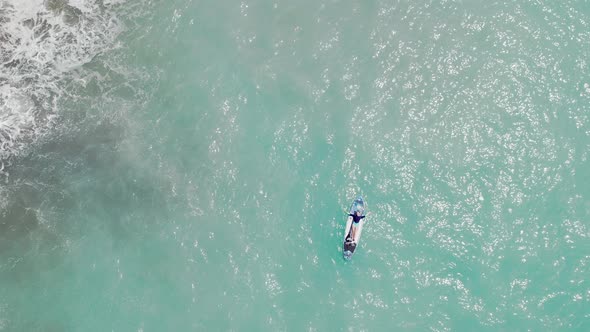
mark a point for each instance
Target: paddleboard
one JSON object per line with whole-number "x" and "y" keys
{"x": 350, "y": 244}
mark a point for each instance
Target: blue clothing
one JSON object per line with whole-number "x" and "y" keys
{"x": 356, "y": 218}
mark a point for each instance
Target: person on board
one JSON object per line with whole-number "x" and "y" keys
{"x": 356, "y": 218}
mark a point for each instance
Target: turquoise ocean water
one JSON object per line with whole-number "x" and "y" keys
{"x": 184, "y": 165}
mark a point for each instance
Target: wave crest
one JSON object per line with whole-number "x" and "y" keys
{"x": 41, "y": 43}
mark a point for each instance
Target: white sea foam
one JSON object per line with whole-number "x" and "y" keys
{"x": 41, "y": 41}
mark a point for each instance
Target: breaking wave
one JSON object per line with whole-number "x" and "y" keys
{"x": 41, "y": 43}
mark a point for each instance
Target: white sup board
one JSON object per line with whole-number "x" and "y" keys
{"x": 349, "y": 245}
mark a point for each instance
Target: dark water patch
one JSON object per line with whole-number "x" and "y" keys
{"x": 38, "y": 253}
{"x": 35, "y": 324}
{"x": 39, "y": 184}
{"x": 16, "y": 222}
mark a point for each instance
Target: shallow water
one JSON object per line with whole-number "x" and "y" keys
{"x": 183, "y": 165}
